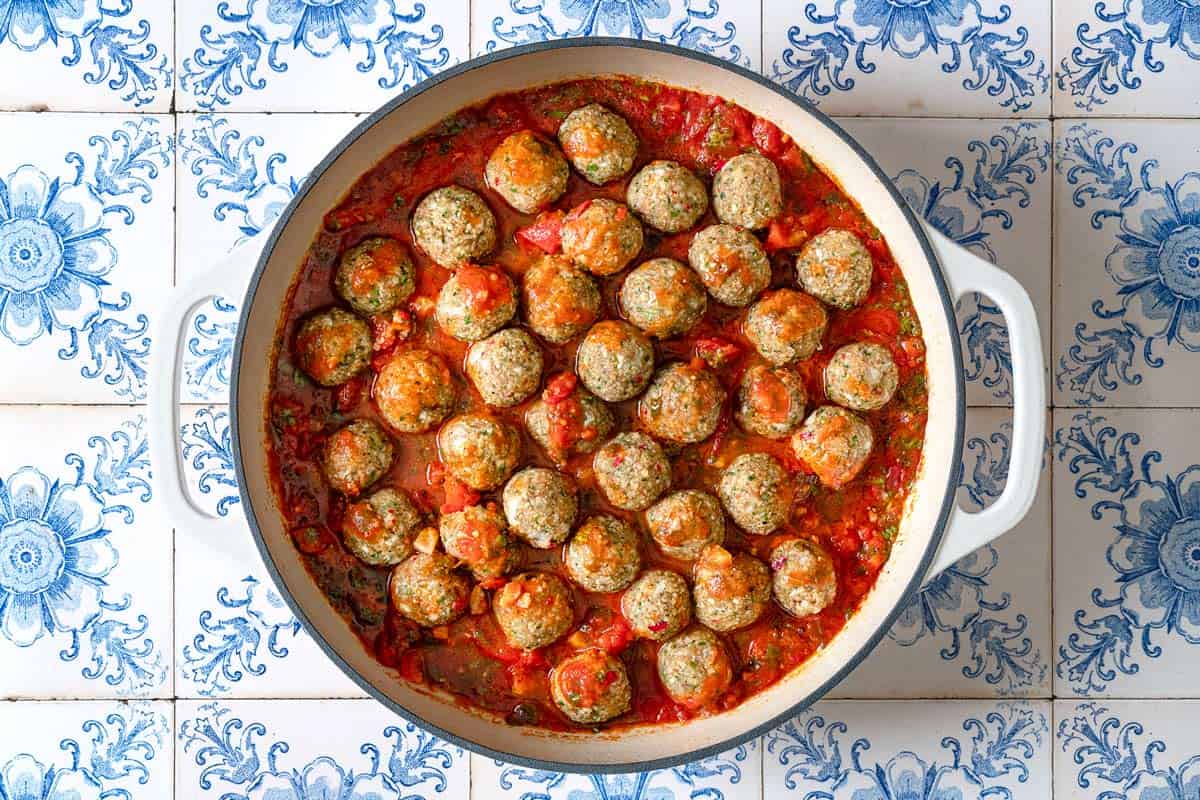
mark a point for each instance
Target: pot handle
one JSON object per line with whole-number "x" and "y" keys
{"x": 968, "y": 531}
{"x": 226, "y": 279}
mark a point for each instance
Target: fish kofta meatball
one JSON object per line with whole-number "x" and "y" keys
{"x": 804, "y": 580}
{"x": 786, "y": 325}
{"x": 747, "y": 191}
{"x": 540, "y": 505}
{"x": 834, "y": 266}
{"x": 527, "y": 171}
{"x": 615, "y": 360}
{"x": 663, "y": 297}
{"x": 601, "y": 236}
{"x": 560, "y": 300}
{"x": 667, "y": 196}
{"x": 599, "y": 143}
{"x": 426, "y": 589}
{"x": 533, "y": 609}
{"x": 631, "y": 470}
{"x": 835, "y": 444}
{"x": 770, "y": 401}
{"x": 682, "y": 523}
{"x": 479, "y": 450}
{"x": 591, "y": 687}
{"x": 379, "y": 530}
{"x": 333, "y": 346}
{"x": 454, "y": 225}
{"x": 475, "y": 302}
{"x": 565, "y": 424}
{"x": 414, "y": 391}
{"x": 506, "y": 367}
{"x": 375, "y": 276}
{"x": 478, "y": 537}
{"x": 603, "y": 554}
{"x": 356, "y": 456}
{"x": 658, "y": 605}
{"x": 682, "y": 404}
{"x": 730, "y": 591}
{"x": 694, "y": 668}
{"x": 756, "y": 493}
{"x": 731, "y": 262}
{"x": 861, "y": 376}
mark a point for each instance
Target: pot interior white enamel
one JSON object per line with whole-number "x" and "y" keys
{"x": 835, "y": 153}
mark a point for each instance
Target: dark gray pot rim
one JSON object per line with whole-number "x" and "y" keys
{"x": 948, "y": 499}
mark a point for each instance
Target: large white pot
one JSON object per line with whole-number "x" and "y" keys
{"x": 934, "y": 532}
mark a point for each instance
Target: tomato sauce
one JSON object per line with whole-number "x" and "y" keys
{"x": 470, "y": 657}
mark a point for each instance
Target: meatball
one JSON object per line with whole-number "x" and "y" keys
{"x": 454, "y": 225}
{"x": 603, "y": 555}
{"x": 615, "y": 360}
{"x": 667, "y": 196}
{"x": 333, "y": 346}
{"x": 527, "y": 171}
{"x": 533, "y": 609}
{"x": 560, "y": 301}
{"x": 591, "y": 687}
{"x": 731, "y": 263}
{"x": 747, "y": 192}
{"x": 683, "y": 404}
{"x": 658, "y": 605}
{"x": 755, "y": 492}
{"x": 414, "y": 391}
{"x": 356, "y": 456}
{"x": 540, "y": 505}
{"x": 694, "y": 668}
{"x": 663, "y": 297}
{"x": 375, "y": 276}
{"x": 479, "y": 450}
{"x": 600, "y": 144}
{"x": 804, "y": 579}
{"x": 835, "y": 444}
{"x": 770, "y": 401}
{"x": 379, "y": 530}
{"x": 786, "y": 325}
{"x": 631, "y": 471}
{"x": 730, "y": 591}
{"x": 861, "y": 376}
{"x": 601, "y": 236}
{"x": 426, "y": 589}
{"x": 568, "y": 424}
{"x": 835, "y": 267}
{"x": 478, "y": 537}
{"x": 475, "y": 303}
{"x": 506, "y": 367}
{"x": 682, "y": 523}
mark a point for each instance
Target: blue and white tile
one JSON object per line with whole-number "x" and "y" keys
{"x": 1126, "y": 58}
{"x": 1127, "y": 263}
{"x": 86, "y": 750}
{"x": 1122, "y": 750}
{"x": 85, "y": 219}
{"x": 85, "y": 557}
{"x": 842, "y": 750}
{"x": 729, "y": 29}
{"x": 299, "y": 55}
{"x": 1126, "y": 552}
{"x": 731, "y": 775}
{"x": 235, "y": 636}
{"x": 977, "y": 58}
{"x": 982, "y": 627}
{"x": 236, "y": 175}
{"x": 986, "y": 185}
{"x": 251, "y": 750}
{"x": 93, "y": 55}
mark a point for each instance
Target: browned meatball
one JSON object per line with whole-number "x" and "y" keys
{"x": 527, "y": 171}
{"x": 786, "y": 325}
{"x": 560, "y": 300}
{"x": 682, "y": 404}
{"x": 479, "y": 450}
{"x": 478, "y": 537}
{"x": 414, "y": 391}
{"x": 601, "y": 236}
{"x": 533, "y": 609}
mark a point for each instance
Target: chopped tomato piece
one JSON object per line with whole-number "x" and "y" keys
{"x": 458, "y": 495}
{"x": 786, "y": 232}
{"x": 716, "y": 352}
{"x": 545, "y": 233}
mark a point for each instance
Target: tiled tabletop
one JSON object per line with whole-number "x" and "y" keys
{"x": 1054, "y": 140}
